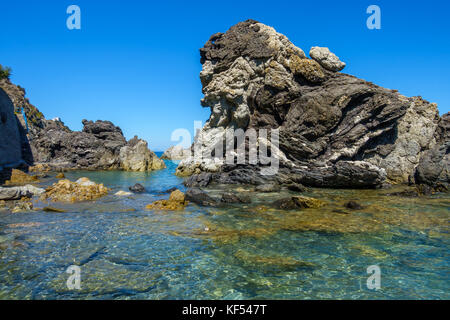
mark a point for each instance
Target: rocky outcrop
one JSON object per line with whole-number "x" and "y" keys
{"x": 99, "y": 146}
{"x": 335, "y": 130}
{"x": 176, "y": 153}
{"x": 433, "y": 168}
{"x": 17, "y": 193}
{"x": 176, "y": 201}
{"x": 10, "y": 139}
{"x": 326, "y": 59}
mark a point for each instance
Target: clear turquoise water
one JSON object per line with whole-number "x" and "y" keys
{"x": 248, "y": 252}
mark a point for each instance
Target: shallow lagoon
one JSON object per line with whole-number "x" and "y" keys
{"x": 239, "y": 252}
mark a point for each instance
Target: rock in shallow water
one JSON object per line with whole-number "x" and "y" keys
{"x": 200, "y": 197}
{"x": 81, "y": 190}
{"x": 16, "y": 193}
{"x": 298, "y": 202}
{"x": 137, "y": 188}
{"x": 176, "y": 201}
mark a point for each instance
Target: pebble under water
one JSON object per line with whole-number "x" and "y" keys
{"x": 239, "y": 252}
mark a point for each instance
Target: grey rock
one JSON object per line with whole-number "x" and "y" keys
{"x": 16, "y": 193}
{"x": 176, "y": 153}
{"x": 198, "y": 180}
{"x": 137, "y": 188}
{"x": 229, "y": 197}
{"x": 326, "y": 58}
{"x": 200, "y": 197}
{"x": 10, "y": 139}
{"x": 335, "y": 130}
{"x": 270, "y": 187}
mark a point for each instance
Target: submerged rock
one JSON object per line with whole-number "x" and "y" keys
{"x": 298, "y": 202}
{"x": 335, "y": 130}
{"x": 229, "y": 197}
{"x": 176, "y": 201}
{"x": 200, "y": 197}
{"x": 353, "y": 205}
{"x": 137, "y": 188}
{"x": 81, "y": 190}
{"x": 270, "y": 187}
{"x": 122, "y": 193}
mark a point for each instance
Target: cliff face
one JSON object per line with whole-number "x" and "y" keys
{"x": 10, "y": 139}
{"x": 99, "y": 146}
{"x": 335, "y": 130}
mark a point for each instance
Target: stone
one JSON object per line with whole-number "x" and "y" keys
{"x": 307, "y": 68}
{"x": 270, "y": 187}
{"x": 60, "y": 176}
{"x": 136, "y": 156}
{"x": 137, "y": 188}
{"x": 353, "y": 205}
{"x": 326, "y": 58}
{"x": 19, "y": 177}
{"x": 122, "y": 193}
{"x": 229, "y": 197}
{"x": 298, "y": 202}
{"x": 297, "y": 187}
{"x": 200, "y": 197}
{"x": 52, "y": 209}
{"x": 81, "y": 190}
{"x": 176, "y": 202}
{"x": 198, "y": 180}
{"x": 176, "y": 153}
{"x": 16, "y": 193}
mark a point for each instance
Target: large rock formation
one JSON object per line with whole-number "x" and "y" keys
{"x": 99, "y": 146}
{"x": 176, "y": 153}
{"x": 335, "y": 130}
{"x": 10, "y": 139}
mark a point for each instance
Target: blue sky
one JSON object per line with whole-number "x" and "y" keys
{"x": 137, "y": 63}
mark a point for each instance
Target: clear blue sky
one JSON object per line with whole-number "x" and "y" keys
{"x": 137, "y": 63}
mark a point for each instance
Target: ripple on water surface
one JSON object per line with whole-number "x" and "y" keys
{"x": 240, "y": 252}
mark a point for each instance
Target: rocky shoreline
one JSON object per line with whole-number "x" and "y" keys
{"x": 335, "y": 131}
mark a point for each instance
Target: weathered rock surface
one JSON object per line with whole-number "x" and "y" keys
{"x": 326, "y": 58}
{"x": 298, "y": 202}
{"x": 99, "y": 146}
{"x": 137, "y": 188}
{"x": 10, "y": 139}
{"x": 229, "y": 197}
{"x": 176, "y": 153}
{"x": 81, "y": 190}
{"x": 200, "y": 197}
{"x": 335, "y": 130}
{"x": 17, "y": 193}
{"x": 176, "y": 201}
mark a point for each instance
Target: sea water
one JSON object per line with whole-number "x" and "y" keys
{"x": 249, "y": 251}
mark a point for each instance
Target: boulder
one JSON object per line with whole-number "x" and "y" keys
{"x": 81, "y": 190}
{"x": 326, "y": 59}
{"x": 298, "y": 202}
{"x": 176, "y": 202}
{"x": 136, "y": 156}
{"x": 200, "y": 197}
{"x": 270, "y": 187}
{"x": 137, "y": 188}
{"x": 229, "y": 197}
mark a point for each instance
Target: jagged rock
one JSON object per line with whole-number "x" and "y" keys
{"x": 81, "y": 190}
{"x": 228, "y": 197}
{"x": 50, "y": 144}
{"x": 198, "y": 180}
{"x": 433, "y": 168}
{"x": 136, "y": 156}
{"x": 326, "y": 59}
{"x": 297, "y": 187}
{"x": 200, "y": 197}
{"x": 16, "y": 193}
{"x": 176, "y": 153}
{"x": 335, "y": 130}
{"x": 137, "y": 188}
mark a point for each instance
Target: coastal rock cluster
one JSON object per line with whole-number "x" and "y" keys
{"x": 335, "y": 130}
{"x": 49, "y": 144}
{"x": 176, "y": 153}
